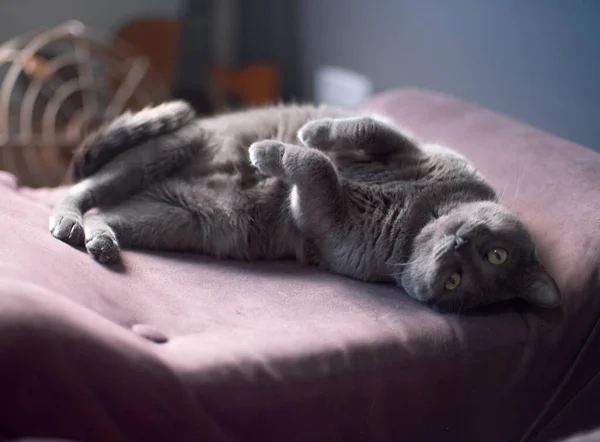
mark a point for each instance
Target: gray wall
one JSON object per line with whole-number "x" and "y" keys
{"x": 20, "y": 16}
{"x": 536, "y": 60}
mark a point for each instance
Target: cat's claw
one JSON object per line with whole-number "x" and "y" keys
{"x": 103, "y": 247}
{"x": 68, "y": 228}
{"x": 267, "y": 157}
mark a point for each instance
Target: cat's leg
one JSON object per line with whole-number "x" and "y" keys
{"x": 441, "y": 151}
{"x": 316, "y": 198}
{"x": 130, "y": 172}
{"x": 139, "y": 223}
{"x": 375, "y": 135}
{"x": 322, "y": 207}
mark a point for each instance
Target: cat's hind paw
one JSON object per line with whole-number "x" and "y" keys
{"x": 67, "y": 227}
{"x": 103, "y": 247}
{"x": 324, "y": 133}
{"x": 317, "y": 133}
{"x": 267, "y": 157}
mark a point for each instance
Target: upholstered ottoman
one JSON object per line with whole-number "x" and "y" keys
{"x": 175, "y": 347}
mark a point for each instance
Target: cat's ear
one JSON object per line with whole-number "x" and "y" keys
{"x": 541, "y": 288}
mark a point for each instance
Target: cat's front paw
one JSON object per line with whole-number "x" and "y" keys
{"x": 67, "y": 227}
{"x": 267, "y": 157}
{"x": 317, "y": 133}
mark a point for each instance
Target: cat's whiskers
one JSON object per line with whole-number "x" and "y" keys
{"x": 440, "y": 253}
{"x": 503, "y": 192}
{"x": 519, "y": 179}
{"x": 443, "y": 250}
{"x": 396, "y": 258}
{"x": 402, "y": 264}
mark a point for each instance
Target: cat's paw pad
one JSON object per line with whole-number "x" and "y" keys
{"x": 267, "y": 157}
{"x": 317, "y": 133}
{"x": 67, "y": 227}
{"x": 103, "y": 247}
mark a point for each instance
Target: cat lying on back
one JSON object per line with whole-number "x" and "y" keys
{"x": 351, "y": 194}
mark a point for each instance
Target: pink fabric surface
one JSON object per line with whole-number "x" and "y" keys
{"x": 588, "y": 436}
{"x": 275, "y": 351}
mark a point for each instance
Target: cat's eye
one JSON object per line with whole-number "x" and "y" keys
{"x": 497, "y": 256}
{"x": 453, "y": 281}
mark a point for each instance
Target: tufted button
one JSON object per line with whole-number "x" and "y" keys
{"x": 150, "y": 333}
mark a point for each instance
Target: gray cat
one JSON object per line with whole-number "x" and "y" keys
{"x": 349, "y": 193}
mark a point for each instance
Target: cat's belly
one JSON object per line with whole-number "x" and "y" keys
{"x": 237, "y": 218}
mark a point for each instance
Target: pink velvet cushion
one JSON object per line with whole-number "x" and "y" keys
{"x": 274, "y": 351}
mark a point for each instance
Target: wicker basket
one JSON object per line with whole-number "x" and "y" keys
{"x": 58, "y": 85}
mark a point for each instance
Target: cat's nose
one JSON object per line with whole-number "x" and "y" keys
{"x": 459, "y": 242}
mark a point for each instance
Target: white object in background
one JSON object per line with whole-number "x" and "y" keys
{"x": 341, "y": 87}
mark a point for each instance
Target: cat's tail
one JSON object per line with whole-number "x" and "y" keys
{"x": 126, "y": 131}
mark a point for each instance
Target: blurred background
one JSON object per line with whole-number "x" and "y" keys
{"x": 68, "y": 65}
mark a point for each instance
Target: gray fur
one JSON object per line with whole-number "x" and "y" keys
{"x": 127, "y": 130}
{"x": 352, "y": 194}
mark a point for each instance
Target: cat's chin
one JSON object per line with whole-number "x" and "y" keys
{"x": 418, "y": 292}
{"x": 454, "y": 306}
{"x": 443, "y": 304}
{"x": 458, "y": 306}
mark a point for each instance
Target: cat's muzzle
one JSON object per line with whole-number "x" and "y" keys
{"x": 460, "y": 242}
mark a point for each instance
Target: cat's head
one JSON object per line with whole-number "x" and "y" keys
{"x": 474, "y": 255}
